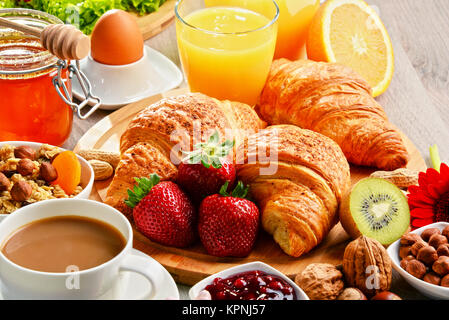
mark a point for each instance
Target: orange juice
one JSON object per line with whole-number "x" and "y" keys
{"x": 226, "y": 52}
{"x": 294, "y": 20}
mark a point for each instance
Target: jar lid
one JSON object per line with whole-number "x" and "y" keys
{"x": 20, "y": 54}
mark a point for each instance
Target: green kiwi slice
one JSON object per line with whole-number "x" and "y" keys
{"x": 379, "y": 210}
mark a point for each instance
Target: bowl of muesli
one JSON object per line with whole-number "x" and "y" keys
{"x": 29, "y": 173}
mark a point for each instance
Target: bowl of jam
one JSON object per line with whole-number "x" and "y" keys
{"x": 251, "y": 281}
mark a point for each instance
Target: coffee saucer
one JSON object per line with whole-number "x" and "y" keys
{"x": 133, "y": 286}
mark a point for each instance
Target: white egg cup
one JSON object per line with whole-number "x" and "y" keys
{"x": 118, "y": 85}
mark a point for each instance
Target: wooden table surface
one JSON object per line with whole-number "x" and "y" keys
{"x": 418, "y": 98}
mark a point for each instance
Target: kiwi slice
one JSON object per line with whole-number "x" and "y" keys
{"x": 375, "y": 208}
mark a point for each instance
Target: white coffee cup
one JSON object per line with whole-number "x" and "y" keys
{"x": 18, "y": 282}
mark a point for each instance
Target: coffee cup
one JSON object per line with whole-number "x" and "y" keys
{"x": 99, "y": 282}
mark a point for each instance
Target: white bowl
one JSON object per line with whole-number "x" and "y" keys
{"x": 429, "y": 290}
{"x": 87, "y": 173}
{"x": 252, "y": 266}
{"x": 124, "y": 84}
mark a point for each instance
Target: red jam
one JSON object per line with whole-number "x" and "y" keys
{"x": 251, "y": 285}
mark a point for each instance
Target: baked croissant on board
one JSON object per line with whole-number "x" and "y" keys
{"x": 299, "y": 198}
{"x": 148, "y": 144}
{"x": 335, "y": 101}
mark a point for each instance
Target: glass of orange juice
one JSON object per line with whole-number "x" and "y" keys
{"x": 226, "y": 51}
{"x": 295, "y": 17}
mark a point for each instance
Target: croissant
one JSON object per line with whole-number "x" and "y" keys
{"x": 297, "y": 177}
{"x": 335, "y": 101}
{"x": 154, "y": 139}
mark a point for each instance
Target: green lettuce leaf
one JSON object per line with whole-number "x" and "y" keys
{"x": 84, "y": 14}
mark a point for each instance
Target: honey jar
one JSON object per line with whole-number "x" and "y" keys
{"x": 35, "y": 86}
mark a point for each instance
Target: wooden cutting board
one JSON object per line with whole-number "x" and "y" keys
{"x": 154, "y": 23}
{"x": 188, "y": 266}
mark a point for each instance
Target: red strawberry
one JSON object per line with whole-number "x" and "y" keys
{"x": 163, "y": 212}
{"x": 204, "y": 170}
{"x": 228, "y": 225}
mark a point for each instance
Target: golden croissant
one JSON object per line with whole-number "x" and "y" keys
{"x": 154, "y": 139}
{"x": 335, "y": 101}
{"x": 297, "y": 177}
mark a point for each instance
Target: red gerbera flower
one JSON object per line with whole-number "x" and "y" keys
{"x": 429, "y": 202}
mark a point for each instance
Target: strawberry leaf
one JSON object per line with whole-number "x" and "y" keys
{"x": 240, "y": 190}
{"x": 141, "y": 189}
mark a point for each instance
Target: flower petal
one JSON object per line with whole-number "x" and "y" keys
{"x": 423, "y": 213}
{"x": 418, "y": 223}
{"x": 432, "y": 175}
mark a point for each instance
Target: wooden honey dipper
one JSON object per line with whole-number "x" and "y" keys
{"x": 62, "y": 40}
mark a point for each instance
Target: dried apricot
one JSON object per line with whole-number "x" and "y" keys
{"x": 68, "y": 168}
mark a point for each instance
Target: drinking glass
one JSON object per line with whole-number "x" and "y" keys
{"x": 226, "y": 51}
{"x": 295, "y": 17}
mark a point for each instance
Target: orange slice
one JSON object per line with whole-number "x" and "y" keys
{"x": 351, "y": 33}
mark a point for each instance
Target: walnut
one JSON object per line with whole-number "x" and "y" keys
{"x": 367, "y": 266}
{"x": 432, "y": 278}
{"x": 437, "y": 240}
{"x": 428, "y": 255}
{"x": 416, "y": 268}
{"x": 409, "y": 239}
{"x": 441, "y": 266}
{"x": 321, "y": 281}
{"x": 426, "y": 234}
{"x": 351, "y": 294}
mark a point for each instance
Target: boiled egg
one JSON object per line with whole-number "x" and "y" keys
{"x": 116, "y": 39}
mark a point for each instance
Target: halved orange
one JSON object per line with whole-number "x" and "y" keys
{"x": 351, "y": 33}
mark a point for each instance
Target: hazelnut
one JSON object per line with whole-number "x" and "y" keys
{"x": 428, "y": 255}
{"x": 404, "y": 262}
{"x": 409, "y": 239}
{"x": 21, "y": 191}
{"x": 416, "y": 268}
{"x": 417, "y": 246}
{"x": 25, "y": 167}
{"x": 437, "y": 240}
{"x": 405, "y": 251}
{"x": 351, "y": 294}
{"x": 445, "y": 232}
{"x": 386, "y": 295}
{"x": 426, "y": 234}
{"x": 24, "y": 152}
{"x": 445, "y": 281}
{"x": 432, "y": 278}
{"x": 441, "y": 266}
{"x": 443, "y": 250}
{"x": 48, "y": 172}
{"x": 4, "y": 182}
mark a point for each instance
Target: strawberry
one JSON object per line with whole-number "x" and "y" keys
{"x": 204, "y": 170}
{"x": 162, "y": 212}
{"x": 228, "y": 224}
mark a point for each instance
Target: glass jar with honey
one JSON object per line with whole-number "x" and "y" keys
{"x": 35, "y": 86}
